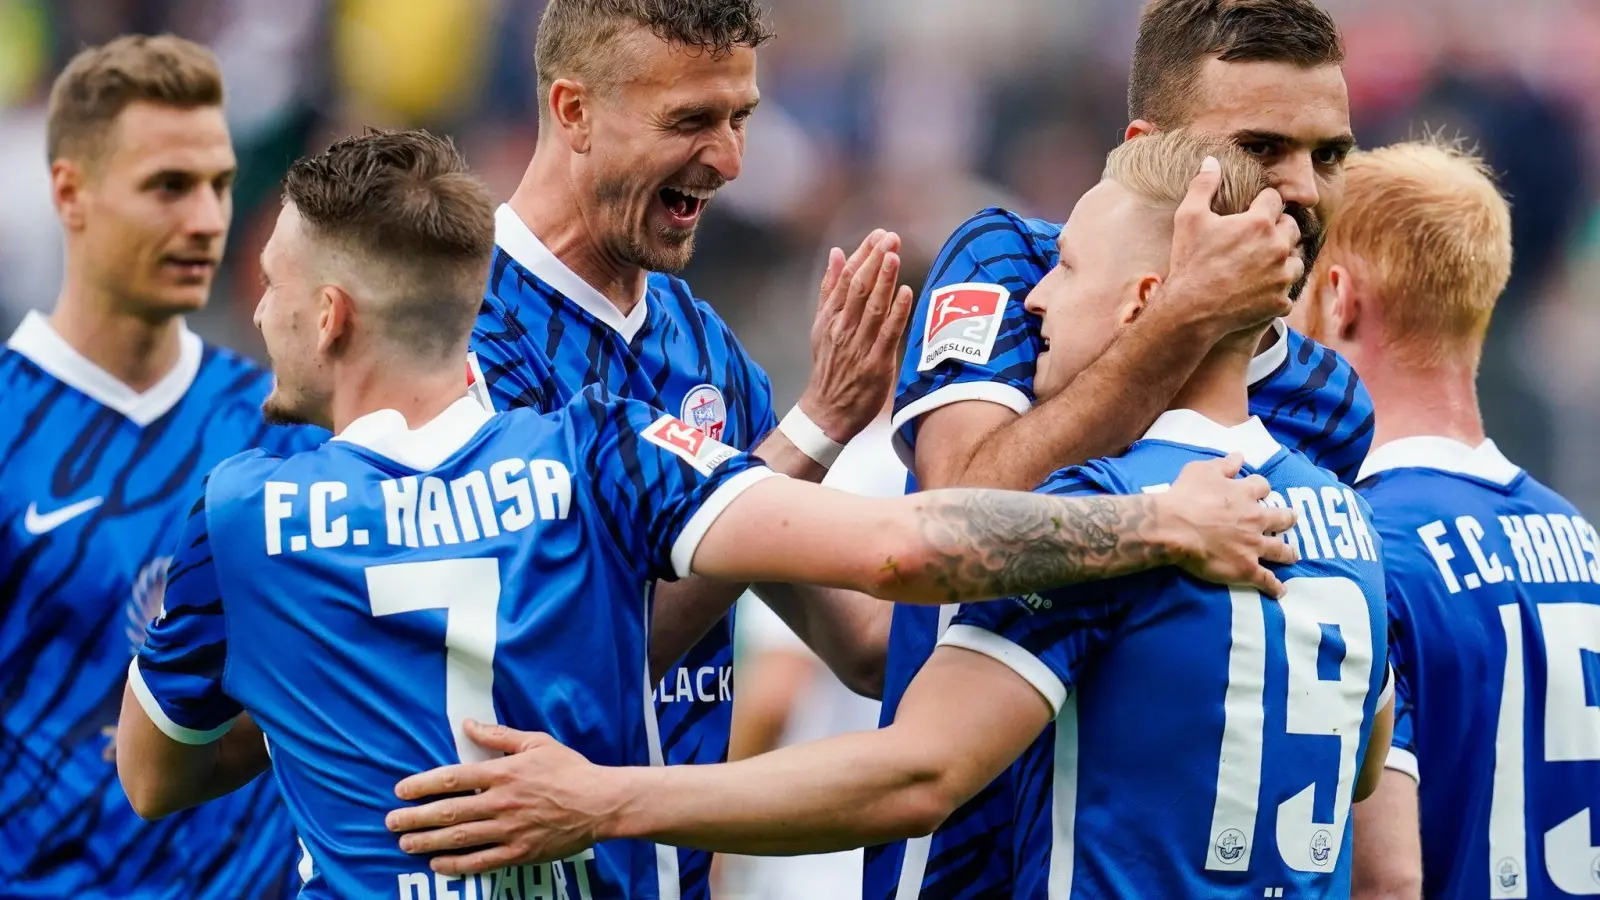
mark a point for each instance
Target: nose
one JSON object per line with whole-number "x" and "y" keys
{"x": 1295, "y": 177}
{"x": 1034, "y": 303}
{"x": 255, "y": 317}
{"x": 209, "y": 212}
{"x": 724, "y": 152}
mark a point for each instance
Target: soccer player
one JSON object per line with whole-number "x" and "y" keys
{"x": 1494, "y": 579}
{"x": 1199, "y": 741}
{"x": 435, "y": 564}
{"x": 111, "y": 412}
{"x": 643, "y": 114}
{"x": 1264, "y": 74}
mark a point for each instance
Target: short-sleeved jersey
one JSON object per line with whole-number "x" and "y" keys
{"x": 96, "y": 479}
{"x": 1494, "y": 623}
{"x": 362, "y": 600}
{"x": 544, "y": 335}
{"x": 1207, "y": 740}
{"x": 1308, "y": 396}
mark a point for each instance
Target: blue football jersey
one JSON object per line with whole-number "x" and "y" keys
{"x": 1207, "y": 740}
{"x": 362, "y": 600}
{"x": 97, "y": 478}
{"x": 973, "y": 340}
{"x": 1494, "y": 623}
{"x": 543, "y": 336}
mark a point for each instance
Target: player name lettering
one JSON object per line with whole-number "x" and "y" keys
{"x": 1547, "y": 548}
{"x": 564, "y": 880}
{"x": 426, "y": 511}
{"x": 1329, "y": 524}
{"x": 707, "y": 684}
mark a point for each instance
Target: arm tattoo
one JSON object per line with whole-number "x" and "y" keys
{"x": 1001, "y": 543}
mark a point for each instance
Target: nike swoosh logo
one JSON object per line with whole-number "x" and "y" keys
{"x": 37, "y": 524}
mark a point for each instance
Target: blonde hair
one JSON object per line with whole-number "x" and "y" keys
{"x": 100, "y": 82}
{"x": 1426, "y": 222}
{"x": 1158, "y": 167}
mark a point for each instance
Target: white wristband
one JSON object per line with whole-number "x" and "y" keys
{"x": 809, "y": 438}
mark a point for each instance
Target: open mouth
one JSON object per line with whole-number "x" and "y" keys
{"x": 684, "y": 204}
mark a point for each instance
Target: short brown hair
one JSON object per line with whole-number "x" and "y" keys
{"x": 573, "y": 33}
{"x": 1176, "y": 37}
{"x": 405, "y": 201}
{"x": 100, "y": 82}
{"x": 1424, "y": 221}
{"x": 1158, "y": 167}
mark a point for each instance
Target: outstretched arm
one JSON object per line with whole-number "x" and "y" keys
{"x": 964, "y": 719}
{"x": 961, "y": 545}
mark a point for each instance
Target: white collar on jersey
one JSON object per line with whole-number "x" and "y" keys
{"x": 39, "y": 342}
{"x": 519, "y": 241}
{"x": 1185, "y": 426}
{"x": 387, "y": 434}
{"x": 1428, "y": 451}
{"x": 1267, "y": 361}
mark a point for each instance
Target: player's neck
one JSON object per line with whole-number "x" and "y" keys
{"x": 1439, "y": 401}
{"x": 547, "y": 203}
{"x": 418, "y": 395}
{"x": 136, "y": 350}
{"x": 1218, "y": 389}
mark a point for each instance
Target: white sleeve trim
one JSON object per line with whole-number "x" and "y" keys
{"x": 1405, "y": 761}
{"x": 152, "y": 708}
{"x": 991, "y": 391}
{"x": 695, "y": 529}
{"x": 1000, "y": 649}
{"x": 1387, "y": 694}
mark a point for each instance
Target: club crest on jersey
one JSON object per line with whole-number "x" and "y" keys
{"x": 688, "y": 444}
{"x": 963, "y": 321}
{"x": 145, "y": 600}
{"x": 1509, "y": 873}
{"x": 704, "y": 408}
{"x": 1321, "y": 848}
{"x": 1230, "y": 845}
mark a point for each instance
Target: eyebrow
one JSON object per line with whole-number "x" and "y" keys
{"x": 690, "y": 110}
{"x": 1346, "y": 141}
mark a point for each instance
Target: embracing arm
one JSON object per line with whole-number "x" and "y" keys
{"x": 1387, "y": 862}
{"x": 960, "y": 545}
{"x": 162, "y": 776}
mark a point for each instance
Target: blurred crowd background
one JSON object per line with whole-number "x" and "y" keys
{"x": 905, "y": 114}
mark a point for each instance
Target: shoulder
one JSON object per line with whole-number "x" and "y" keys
{"x": 996, "y": 234}
{"x": 241, "y": 476}
{"x": 1097, "y": 476}
{"x": 226, "y": 374}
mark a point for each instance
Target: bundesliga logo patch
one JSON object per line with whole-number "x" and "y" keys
{"x": 963, "y": 321}
{"x": 704, "y": 408}
{"x": 688, "y": 444}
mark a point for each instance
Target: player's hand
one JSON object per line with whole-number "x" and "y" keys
{"x": 543, "y": 802}
{"x": 1222, "y": 531}
{"x": 1230, "y": 273}
{"x": 862, "y": 312}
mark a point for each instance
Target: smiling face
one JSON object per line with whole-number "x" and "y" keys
{"x": 1114, "y": 251}
{"x": 151, "y": 210}
{"x": 663, "y": 141}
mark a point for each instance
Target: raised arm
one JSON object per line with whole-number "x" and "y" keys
{"x": 960, "y": 545}
{"x": 1227, "y": 273}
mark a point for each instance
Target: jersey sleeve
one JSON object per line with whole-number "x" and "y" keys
{"x": 177, "y": 675}
{"x": 500, "y": 373}
{"x": 1402, "y": 663}
{"x": 658, "y": 483}
{"x": 971, "y": 338}
{"x": 1045, "y": 638}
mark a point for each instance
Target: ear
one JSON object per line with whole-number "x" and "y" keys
{"x": 1146, "y": 290}
{"x": 1138, "y": 128}
{"x": 569, "y": 107}
{"x": 67, "y": 193}
{"x": 1343, "y": 311}
{"x": 335, "y": 310}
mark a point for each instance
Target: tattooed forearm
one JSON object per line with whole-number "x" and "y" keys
{"x": 999, "y": 543}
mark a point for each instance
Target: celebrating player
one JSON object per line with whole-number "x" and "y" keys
{"x": 1264, "y": 74}
{"x": 1205, "y": 739}
{"x": 434, "y": 563}
{"x": 111, "y": 411}
{"x": 643, "y": 113}
{"x": 1494, "y": 604}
